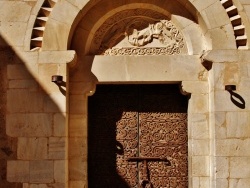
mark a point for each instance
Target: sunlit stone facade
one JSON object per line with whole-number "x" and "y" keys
{"x": 202, "y": 45}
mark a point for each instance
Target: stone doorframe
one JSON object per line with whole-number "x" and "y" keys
{"x": 184, "y": 69}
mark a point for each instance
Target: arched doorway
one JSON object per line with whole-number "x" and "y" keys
{"x": 139, "y": 44}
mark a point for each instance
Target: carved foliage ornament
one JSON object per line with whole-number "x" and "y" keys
{"x": 170, "y": 40}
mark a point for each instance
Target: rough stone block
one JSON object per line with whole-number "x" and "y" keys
{"x": 77, "y": 104}
{"x": 219, "y": 16}
{"x": 14, "y": 11}
{"x": 77, "y": 148}
{"x": 195, "y": 87}
{"x": 16, "y": 32}
{"x": 239, "y": 183}
{"x": 29, "y": 125}
{"x": 199, "y": 126}
{"x": 18, "y": 71}
{"x": 205, "y": 182}
{"x": 77, "y": 184}
{"x": 239, "y": 167}
{"x": 222, "y": 167}
{"x": 77, "y": 126}
{"x": 55, "y": 102}
{"x": 22, "y": 100}
{"x": 59, "y": 125}
{"x": 238, "y": 124}
{"x": 200, "y": 147}
{"x": 59, "y": 171}
{"x": 77, "y": 170}
{"x": 18, "y": 171}
{"x": 41, "y": 171}
{"x": 222, "y": 39}
{"x": 220, "y": 125}
{"x": 57, "y": 148}
{"x": 32, "y": 148}
{"x": 23, "y": 84}
{"x": 198, "y": 103}
{"x": 200, "y": 166}
{"x": 233, "y": 147}
{"x": 222, "y": 183}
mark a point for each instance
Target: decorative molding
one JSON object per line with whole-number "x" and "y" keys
{"x": 40, "y": 22}
{"x": 170, "y": 50}
{"x": 236, "y": 21}
{"x": 169, "y": 37}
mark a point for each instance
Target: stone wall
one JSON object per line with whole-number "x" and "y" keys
{"x": 43, "y": 126}
{"x": 8, "y": 145}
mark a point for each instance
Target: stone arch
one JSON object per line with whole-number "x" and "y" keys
{"x": 66, "y": 15}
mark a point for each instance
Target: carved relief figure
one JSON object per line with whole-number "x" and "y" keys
{"x": 158, "y": 30}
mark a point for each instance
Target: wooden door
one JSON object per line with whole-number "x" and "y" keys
{"x": 137, "y": 137}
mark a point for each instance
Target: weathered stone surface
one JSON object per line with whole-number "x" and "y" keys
{"x": 22, "y": 100}
{"x": 239, "y": 183}
{"x": 20, "y": 11}
{"x": 77, "y": 104}
{"x": 200, "y": 147}
{"x": 199, "y": 126}
{"x": 32, "y": 148}
{"x": 41, "y": 171}
{"x": 144, "y": 68}
{"x": 77, "y": 170}
{"x": 18, "y": 71}
{"x": 59, "y": 125}
{"x": 77, "y": 126}
{"x": 222, "y": 183}
{"x": 195, "y": 87}
{"x": 222, "y": 167}
{"x": 200, "y": 166}
{"x": 220, "y": 125}
{"x": 198, "y": 103}
{"x": 78, "y": 148}
{"x": 57, "y": 148}
{"x": 233, "y": 147}
{"x": 238, "y": 124}
{"x": 29, "y": 125}
{"x": 239, "y": 167}
{"x": 15, "y": 32}
{"x": 60, "y": 171}
{"x": 18, "y": 171}
{"x": 219, "y": 15}
{"x": 23, "y": 84}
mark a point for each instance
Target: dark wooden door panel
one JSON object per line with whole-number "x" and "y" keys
{"x": 137, "y": 137}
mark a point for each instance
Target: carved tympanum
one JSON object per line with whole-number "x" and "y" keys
{"x": 170, "y": 41}
{"x": 138, "y": 32}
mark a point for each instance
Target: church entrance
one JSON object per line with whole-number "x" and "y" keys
{"x": 137, "y": 137}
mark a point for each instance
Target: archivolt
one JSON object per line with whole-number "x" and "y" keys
{"x": 38, "y": 37}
